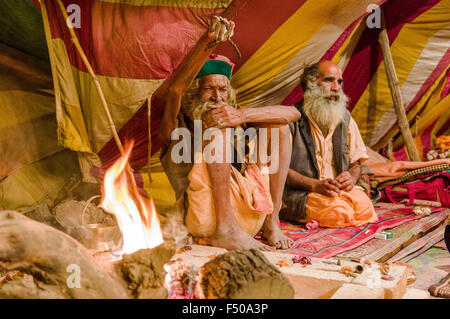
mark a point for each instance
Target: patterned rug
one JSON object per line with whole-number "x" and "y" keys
{"x": 329, "y": 242}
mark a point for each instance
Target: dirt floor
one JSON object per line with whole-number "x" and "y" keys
{"x": 430, "y": 267}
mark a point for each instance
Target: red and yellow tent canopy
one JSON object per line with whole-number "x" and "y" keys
{"x": 135, "y": 45}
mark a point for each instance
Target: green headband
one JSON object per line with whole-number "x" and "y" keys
{"x": 215, "y": 67}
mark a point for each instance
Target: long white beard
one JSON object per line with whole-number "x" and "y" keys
{"x": 326, "y": 112}
{"x": 198, "y": 108}
{"x": 195, "y": 108}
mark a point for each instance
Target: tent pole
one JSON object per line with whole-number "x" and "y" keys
{"x": 395, "y": 92}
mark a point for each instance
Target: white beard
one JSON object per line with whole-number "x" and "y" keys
{"x": 198, "y": 108}
{"x": 195, "y": 108}
{"x": 326, "y": 112}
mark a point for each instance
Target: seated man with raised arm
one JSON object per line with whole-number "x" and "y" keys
{"x": 327, "y": 153}
{"x": 228, "y": 204}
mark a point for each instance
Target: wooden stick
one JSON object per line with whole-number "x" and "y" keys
{"x": 395, "y": 92}
{"x": 149, "y": 156}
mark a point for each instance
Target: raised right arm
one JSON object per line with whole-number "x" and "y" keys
{"x": 175, "y": 86}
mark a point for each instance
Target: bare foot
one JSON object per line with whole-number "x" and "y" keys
{"x": 237, "y": 239}
{"x": 272, "y": 232}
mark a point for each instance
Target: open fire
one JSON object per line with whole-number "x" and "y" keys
{"x": 135, "y": 214}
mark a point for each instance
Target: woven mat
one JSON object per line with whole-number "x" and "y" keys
{"x": 329, "y": 242}
{"x": 419, "y": 246}
{"x": 440, "y": 244}
{"x": 416, "y": 172}
{"x": 381, "y": 250}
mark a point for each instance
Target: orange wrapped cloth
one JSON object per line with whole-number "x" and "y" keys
{"x": 250, "y": 200}
{"x": 352, "y": 208}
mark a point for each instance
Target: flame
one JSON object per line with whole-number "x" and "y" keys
{"x": 135, "y": 214}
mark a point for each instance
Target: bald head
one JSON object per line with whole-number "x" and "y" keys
{"x": 325, "y": 67}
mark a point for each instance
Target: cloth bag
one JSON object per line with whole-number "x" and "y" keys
{"x": 432, "y": 187}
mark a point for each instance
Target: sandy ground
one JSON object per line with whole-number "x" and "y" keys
{"x": 430, "y": 267}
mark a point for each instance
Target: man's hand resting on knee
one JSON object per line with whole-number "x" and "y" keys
{"x": 348, "y": 179}
{"x": 328, "y": 187}
{"x": 345, "y": 181}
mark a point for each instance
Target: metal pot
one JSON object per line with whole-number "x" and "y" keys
{"x": 100, "y": 237}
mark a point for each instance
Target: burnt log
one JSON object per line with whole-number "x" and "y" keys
{"x": 242, "y": 274}
{"x": 51, "y": 263}
{"x": 144, "y": 270}
{"x": 43, "y": 214}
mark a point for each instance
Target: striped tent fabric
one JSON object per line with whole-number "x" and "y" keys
{"x": 135, "y": 46}
{"x": 132, "y": 46}
{"x": 419, "y": 35}
{"x": 34, "y": 168}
